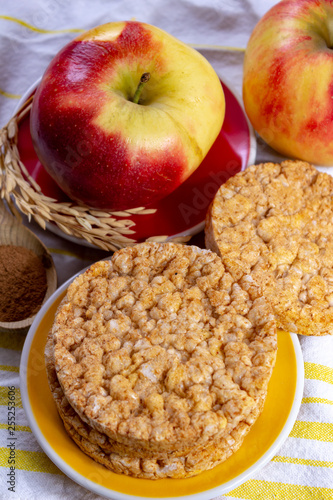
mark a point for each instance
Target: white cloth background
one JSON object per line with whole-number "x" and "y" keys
{"x": 30, "y": 35}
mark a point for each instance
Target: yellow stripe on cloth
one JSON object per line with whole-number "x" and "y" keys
{"x": 318, "y": 431}
{"x": 317, "y": 400}
{"x": 4, "y": 397}
{"x": 207, "y": 46}
{"x": 12, "y": 341}
{"x": 7, "y": 368}
{"x": 34, "y": 461}
{"x": 268, "y": 490}
{"x": 9, "y": 95}
{"x": 21, "y": 428}
{"x": 40, "y": 30}
{"x": 60, "y": 251}
{"x": 303, "y": 461}
{"x": 315, "y": 371}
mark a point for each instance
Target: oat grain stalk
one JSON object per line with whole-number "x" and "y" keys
{"x": 106, "y": 230}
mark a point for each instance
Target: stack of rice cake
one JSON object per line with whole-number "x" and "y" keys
{"x": 159, "y": 360}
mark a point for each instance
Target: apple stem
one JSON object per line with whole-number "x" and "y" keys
{"x": 145, "y": 77}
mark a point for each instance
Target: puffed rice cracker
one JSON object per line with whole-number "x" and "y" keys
{"x": 120, "y": 461}
{"x": 160, "y": 348}
{"x": 272, "y": 226}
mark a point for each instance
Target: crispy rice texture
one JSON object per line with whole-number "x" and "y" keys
{"x": 272, "y": 226}
{"x": 160, "y": 354}
{"x": 125, "y": 460}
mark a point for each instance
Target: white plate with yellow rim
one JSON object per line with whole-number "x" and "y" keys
{"x": 260, "y": 445}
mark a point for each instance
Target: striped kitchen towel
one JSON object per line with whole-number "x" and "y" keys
{"x": 30, "y": 34}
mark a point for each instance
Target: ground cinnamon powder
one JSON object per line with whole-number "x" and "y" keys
{"x": 22, "y": 283}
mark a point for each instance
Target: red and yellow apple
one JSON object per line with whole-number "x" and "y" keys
{"x": 288, "y": 79}
{"x": 124, "y": 114}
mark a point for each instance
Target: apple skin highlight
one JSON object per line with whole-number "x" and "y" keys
{"x": 288, "y": 79}
{"x": 100, "y": 147}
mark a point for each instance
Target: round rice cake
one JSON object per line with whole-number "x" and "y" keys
{"x": 122, "y": 461}
{"x": 272, "y": 226}
{"x": 87, "y": 432}
{"x": 174, "y": 468}
{"x": 160, "y": 348}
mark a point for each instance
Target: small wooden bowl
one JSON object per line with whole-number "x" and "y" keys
{"x": 13, "y": 232}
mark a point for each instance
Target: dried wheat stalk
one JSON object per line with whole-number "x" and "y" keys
{"x": 98, "y": 227}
